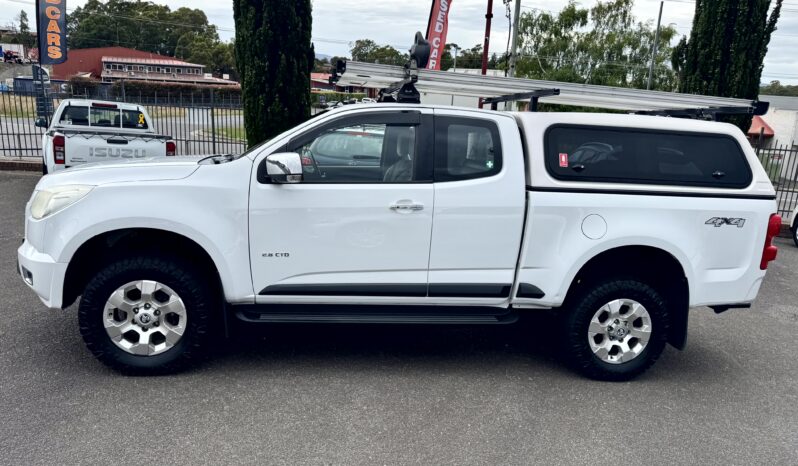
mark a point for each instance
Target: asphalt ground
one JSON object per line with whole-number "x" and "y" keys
{"x": 397, "y": 395}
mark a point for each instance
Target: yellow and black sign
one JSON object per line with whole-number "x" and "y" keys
{"x": 51, "y": 17}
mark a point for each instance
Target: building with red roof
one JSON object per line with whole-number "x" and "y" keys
{"x": 109, "y": 64}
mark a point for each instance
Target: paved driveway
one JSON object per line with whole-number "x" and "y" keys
{"x": 395, "y": 395}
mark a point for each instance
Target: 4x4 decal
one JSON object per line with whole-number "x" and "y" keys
{"x": 718, "y": 222}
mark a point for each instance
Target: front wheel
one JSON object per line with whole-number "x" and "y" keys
{"x": 615, "y": 329}
{"x": 795, "y": 231}
{"x": 148, "y": 314}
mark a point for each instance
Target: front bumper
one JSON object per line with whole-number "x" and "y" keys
{"x": 43, "y": 274}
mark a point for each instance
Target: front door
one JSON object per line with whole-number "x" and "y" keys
{"x": 358, "y": 225}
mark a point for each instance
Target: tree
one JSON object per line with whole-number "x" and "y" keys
{"x": 140, "y": 25}
{"x": 726, "y": 50}
{"x": 25, "y": 36}
{"x": 274, "y": 56}
{"x": 366, "y": 50}
{"x": 777, "y": 88}
{"x": 602, "y": 45}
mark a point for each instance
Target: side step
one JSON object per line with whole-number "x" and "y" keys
{"x": 363, "y": 314}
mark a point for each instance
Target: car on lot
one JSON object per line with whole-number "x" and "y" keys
{"x": 460, "y": 216}
{"x": 85, "y": 131}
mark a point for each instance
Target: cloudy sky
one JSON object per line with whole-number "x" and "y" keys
{"x": 336, "y": 23}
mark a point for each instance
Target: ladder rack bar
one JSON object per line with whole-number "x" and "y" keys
{"x": 378, "y": 76}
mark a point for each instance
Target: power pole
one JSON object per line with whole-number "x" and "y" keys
{"x": 514, "y": 44}
{"x": 654, "y": 47}
{"x": 486, "y": 46}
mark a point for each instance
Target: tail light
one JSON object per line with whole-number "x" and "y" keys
{"x": 769, "y": 252}
{"x": 171, "y": 148}
{"x": 59, "y": 150}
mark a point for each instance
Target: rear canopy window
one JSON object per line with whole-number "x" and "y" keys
{"x": 621, "y": 155}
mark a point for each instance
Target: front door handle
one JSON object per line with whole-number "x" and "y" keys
{"x": 406, "y": 207}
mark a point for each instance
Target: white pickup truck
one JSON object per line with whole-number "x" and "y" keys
{"x": 620, "y": 223}
{"x": 85, "y": 131}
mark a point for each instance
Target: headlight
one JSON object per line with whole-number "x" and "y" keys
{"x": 49, "y": 201}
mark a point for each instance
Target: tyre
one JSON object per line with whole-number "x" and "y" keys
{"x": 615, "y": 329}
{"x": 149, "y": 314}
{"x": 795, "y": 230}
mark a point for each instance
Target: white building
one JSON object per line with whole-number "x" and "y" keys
{"x": 782, "y": 118}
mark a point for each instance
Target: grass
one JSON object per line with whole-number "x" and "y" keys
{"x": 233, "y": 133}
{"x": 20, "y": 106}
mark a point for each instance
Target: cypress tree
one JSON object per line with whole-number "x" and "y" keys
{"x": 726, "y": 51}
{"x": 274, "y": 58}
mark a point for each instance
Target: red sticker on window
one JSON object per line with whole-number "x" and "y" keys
{"x": 563, "y": 160}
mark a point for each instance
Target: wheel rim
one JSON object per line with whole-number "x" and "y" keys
{"x": 619, "y": 331}
{"x": 145, "y": 317}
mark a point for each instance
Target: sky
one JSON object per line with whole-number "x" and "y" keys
{"x": 338, "y": 23}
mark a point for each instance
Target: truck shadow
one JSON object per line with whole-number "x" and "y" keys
{"x": 528, "y": 341}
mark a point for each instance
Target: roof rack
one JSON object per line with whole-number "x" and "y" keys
{"x": 410, "y": 83}
{"x": 533, "y": 97}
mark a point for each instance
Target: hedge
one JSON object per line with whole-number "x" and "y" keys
{"x": 330, "y": 96}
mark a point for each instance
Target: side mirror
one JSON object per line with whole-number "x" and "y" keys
{"x": 284, "y": 167}
{"x": 41, "y": 122}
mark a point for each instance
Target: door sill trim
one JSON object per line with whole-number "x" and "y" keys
{"x": 370, "y": 314}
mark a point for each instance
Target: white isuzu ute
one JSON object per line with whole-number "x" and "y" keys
{"x": 86, "y": 131}
{"x": 398, "y": 213}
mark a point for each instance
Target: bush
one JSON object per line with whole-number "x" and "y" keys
{"x": 80, "y": 85}
{"x": 330, "y": 96}
{"x": 151, "y": 89}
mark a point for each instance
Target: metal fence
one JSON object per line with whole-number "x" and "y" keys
{"x": 780, "y": 162}
{"x": 201, "y": 123}
{"x": 204, "y": 123}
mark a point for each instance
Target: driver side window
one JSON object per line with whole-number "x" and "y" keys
{"x": 361, "y": 153}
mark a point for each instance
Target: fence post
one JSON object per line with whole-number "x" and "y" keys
{"x": 123, "y": 91}
{"x": 760, "y": 139}
{"x": 213, "y": 124}
{"x": 19, "y": 144}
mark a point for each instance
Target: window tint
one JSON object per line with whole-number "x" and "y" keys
{"x": 361, "y": 153}
{"x": 104, "y": 117}
{"x": 133, "y": 119}
{"x": 75, "y": 116}
{"x": 466, "y": 148}
{"x": 618, "y": 155}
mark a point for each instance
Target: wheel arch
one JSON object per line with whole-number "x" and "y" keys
{"x": 114, "y": 243}
{"x": 652, "y": 263}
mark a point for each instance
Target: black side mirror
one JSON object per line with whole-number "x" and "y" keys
{"x": 41, "y": 122}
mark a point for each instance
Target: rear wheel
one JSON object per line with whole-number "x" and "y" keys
{"x": 616, "y": 329}
{"x": 795, "y": 231}
{"x": 148, "y": 314}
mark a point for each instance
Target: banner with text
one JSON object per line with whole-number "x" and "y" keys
{"x": 51, "y": 15}
{"x": 436, "y": 31}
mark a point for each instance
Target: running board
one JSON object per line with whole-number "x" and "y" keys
{"x": 347, "y": 314}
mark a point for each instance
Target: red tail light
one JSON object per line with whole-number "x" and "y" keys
{"x": 59, "y": 150}
{"x": 171, "y": 148}
{"x": 769, "y": 252}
